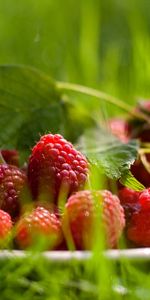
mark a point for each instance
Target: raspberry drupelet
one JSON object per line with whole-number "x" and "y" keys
{"x": 55, "y": 165}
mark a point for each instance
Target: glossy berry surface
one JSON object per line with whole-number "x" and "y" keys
{"x": 5, "y": 224}
{"x": 38, "y": 224}
{"x": 86, "y": 210}
{"x": 56, "y": 166}
{"x": 139, "y": 227}
{"x": 12, "y": 181}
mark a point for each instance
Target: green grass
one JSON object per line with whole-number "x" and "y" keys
{"x": 105, "y": 45}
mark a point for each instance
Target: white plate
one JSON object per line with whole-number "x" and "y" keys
{"x": 131, "y": 254}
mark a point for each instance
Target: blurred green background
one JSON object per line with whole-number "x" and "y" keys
{"x": 99, "y": 43}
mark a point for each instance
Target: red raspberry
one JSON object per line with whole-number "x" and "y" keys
{"x": 12, "y": 181}
{"x": 120, "y": 128}
{"x": 144, "y": 199}
{"x": 128, "y": 196}
{"x": 39, "y": 225}
{"x": 11, "y": 157}
{"x": 84, "y": 211}
{"x": 139, "y": 227}
{"x": 129, "y": 199}
{"x": 55, "y": 165}
{"x": 5, "y": 225}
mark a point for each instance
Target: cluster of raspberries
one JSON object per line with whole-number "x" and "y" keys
{"x": 136, "y": 204}
{"x": 46, "y": 204}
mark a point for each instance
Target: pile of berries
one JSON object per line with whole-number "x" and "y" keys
{"x": 47, "y": 205}
{"x": 136, "y": 204}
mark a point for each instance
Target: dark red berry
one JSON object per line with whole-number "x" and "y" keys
{"x": 12, "y": 181}
{"x": 56, "y": 167}
{"x": 138, "y": 230}
{"x": 129, "y": 199}
{"x": 11, "y": 157}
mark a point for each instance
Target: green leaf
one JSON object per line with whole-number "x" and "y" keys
{"x": 112, "y": 157}
{"x": 30, "y": 105}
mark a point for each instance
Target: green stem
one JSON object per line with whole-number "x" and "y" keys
{"x": 65, "y": 86}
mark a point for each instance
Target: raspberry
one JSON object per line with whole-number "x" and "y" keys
{"x": 11, "y": 157}
{"x": 144, "y": 199}
{"x": 39, "y": 224}
{"x": 120, "y": 128}
{"x": 128, "y": 196}
{"x": 5, "y": 225}
{"x": 139, "y": 227}
{"x": 84, "y": 209}
{"x": 129, "y": 199}
{"x": 12, "y": 181}
{"x": 55, "y": 165}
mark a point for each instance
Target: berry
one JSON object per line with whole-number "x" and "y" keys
{"x": 128, "y": 196}
{"x": 55, "y": 167}
{"x": 11, "y": 157}
{"x": 144, "y": 199}
{"x": 119, "y": 128}
{"x": 12, "y": 181}
{"x": 129, "y": 199}
{"x": 39, "y": 225}
{"x": 83, "y": 213}
{"x": 139, "y": 227}
{"x": 5, "y": 225}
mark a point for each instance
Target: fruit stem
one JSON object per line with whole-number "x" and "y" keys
{"x": 66, "y": 86}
